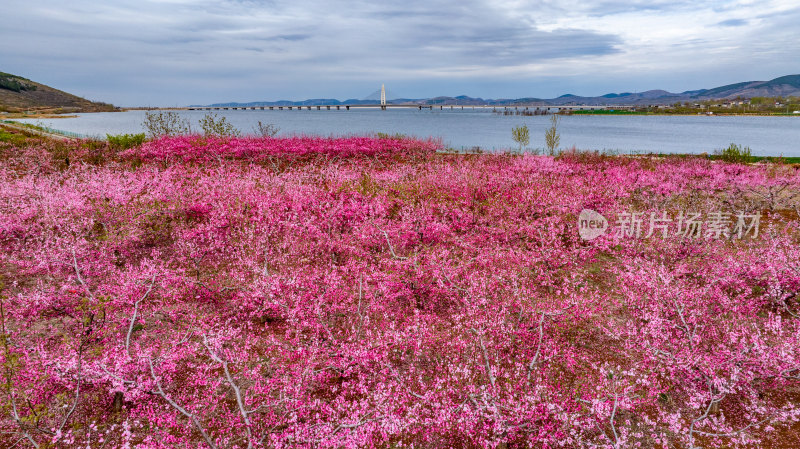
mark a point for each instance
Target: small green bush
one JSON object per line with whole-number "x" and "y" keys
{"x": 266, "y": 129}
{"x": 212, "y": 125}
{"x": 161, "y": 123}
{"x": 736, "y": 154}
{"x": 381, "y": 135}
{"x": 125, "y": 141}
{"x": 521, "y": 135}
{"x": 552, "y": 137}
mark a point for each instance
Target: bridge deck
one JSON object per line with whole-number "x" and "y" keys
{"x": 415, "y": 106}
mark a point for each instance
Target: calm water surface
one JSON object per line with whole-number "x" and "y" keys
{"x": 467, "y": 129}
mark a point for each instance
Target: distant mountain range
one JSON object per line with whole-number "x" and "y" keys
{"x": 784, "y": 86}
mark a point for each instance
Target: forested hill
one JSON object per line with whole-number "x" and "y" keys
{"x": 21, "y": 94}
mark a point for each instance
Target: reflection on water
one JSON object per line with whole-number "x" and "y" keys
{"x": 467, "y": 129}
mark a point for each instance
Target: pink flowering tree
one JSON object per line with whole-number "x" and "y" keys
{"x": 366, "y": 292}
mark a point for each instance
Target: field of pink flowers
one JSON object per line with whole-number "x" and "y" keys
{"x": 363, "y": 292}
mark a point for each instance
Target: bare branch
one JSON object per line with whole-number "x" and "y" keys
{"x": 127, "y": 382}
{"x": 485, "y": 357}
{"x": 453, "y": 284}
{"x": 730, "y": 434}
{"x": 9, "y": 377}
{"x": 538, "y": 346}
{"x": 237, "y": 391}
{"x": 183, "y": 411}
{"x": 135, "y": 313}
{"x": 360, "y": 315}
{"x": 265, "y": 268}
{"x": 541, "y": 336}
{"x": 358, "y": 424}
{"x": 713, "y": 402}
{"x": 613, "y": 413}
{"x": 20, "y": 423}
{"x": 392, "y": 248}
{"x": 788, "y": 373}
{"x": 221, "y": 290}
{"x": 78, "y": 273}
{"x": 77, "y": 388}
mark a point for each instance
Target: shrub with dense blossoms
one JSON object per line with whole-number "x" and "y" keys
{"x": 361, "y": 292}
{"x": 207, "y": 148}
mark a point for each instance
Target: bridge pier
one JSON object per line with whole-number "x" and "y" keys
{"x": 318, "y": 107}
{"x": 348, "y": 107}
{"x": 280, "y": 108}
{"x": 337, "y": 107}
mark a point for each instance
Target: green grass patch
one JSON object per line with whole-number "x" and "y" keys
{"x": 125, "y": 141}
{"x": 13, "y": 139}
{"x": 26, "y": 125}
{"x": 772, "y": 159}
{"x": 719, "y": 157}
{"x": 16, "y": 136}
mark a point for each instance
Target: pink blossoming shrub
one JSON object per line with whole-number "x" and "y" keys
{"x": 206, "y": 299}
{"x": 199, "y": 148}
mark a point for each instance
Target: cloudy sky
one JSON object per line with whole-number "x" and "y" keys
{"x": 178, "y": 52}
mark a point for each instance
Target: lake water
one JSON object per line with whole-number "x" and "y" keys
{"x": 766, "y": 136}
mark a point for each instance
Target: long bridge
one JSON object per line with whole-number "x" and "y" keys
{"x": 420, "y": 107}
{"x": 526, "y": 109}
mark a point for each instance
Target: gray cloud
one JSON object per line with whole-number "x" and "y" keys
{"x": 182, "y": 51}
{"x": 612, "y": 7}
{"x": 733, "y": 23}
{"x": 289, "y": 37}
